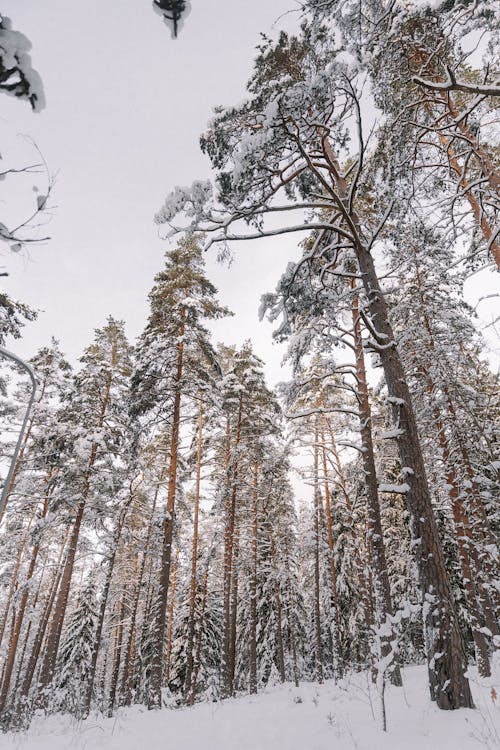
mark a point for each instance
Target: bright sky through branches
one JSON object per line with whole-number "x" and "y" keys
{"x": 125, "y": 107}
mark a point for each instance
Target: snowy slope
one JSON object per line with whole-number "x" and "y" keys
{"x": 311, "y": 717}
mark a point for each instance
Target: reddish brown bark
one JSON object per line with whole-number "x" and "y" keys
{"x": 157, "y": 662}
{"x": 447, "y": 662}
{"x": 383, "y": 609}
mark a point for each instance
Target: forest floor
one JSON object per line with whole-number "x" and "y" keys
{"x": 331, "y": 716}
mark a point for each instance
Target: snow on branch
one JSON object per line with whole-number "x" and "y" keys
{"x": 173, "y": 12}
{"x": 451, "y": 84}
{"x": 17, "y": 77}
{"x": 192, "y": 201}
{"x": 397, "y": 489}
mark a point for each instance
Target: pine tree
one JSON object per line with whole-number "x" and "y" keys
{"x": 95, "y": 430}
{"x": 174, "y": 361}
{"x": 294, "y": 128}
{"x": 74, "y": 659}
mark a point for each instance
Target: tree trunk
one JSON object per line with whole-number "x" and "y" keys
{"x": 194, "y": 557}
{"x": 234, "y": 612}
{"x": 337, "y": 659}
{"x": 199, "y": 640}
{"x": 317, "y": 607}
{"x": 43, "y": 624}
{"x": 253, "y": 584}
{"x": 127, "y": 672}
{"x": 279, "y": 616}
{"x": 16, "y": 632}
{"x": 154, "y": 698}
{"x": 54, "y": 636}
{"x": 444, "y": 646}
{"x": 170, "y": 623}
{"x": 14, "y": 576}
{"x": 293, "y": 644}
{"x": 117, "y": 655}
{"x": 102, "y": 611}
{"x": 229, "y": 527}
{"x": 380, "y": 578}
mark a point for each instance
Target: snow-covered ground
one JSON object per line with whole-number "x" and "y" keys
{"x": 311, "y": 717}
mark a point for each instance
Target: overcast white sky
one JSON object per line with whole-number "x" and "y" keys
{"x": 125, "y": 107}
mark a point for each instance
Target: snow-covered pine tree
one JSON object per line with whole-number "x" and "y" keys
{"x": 174, "y": 362}
{"x": 94, "y": 435}
{"x": 32, "y": 483}
{"x": 74, "y": 658}
{"x": 289, "y": 141}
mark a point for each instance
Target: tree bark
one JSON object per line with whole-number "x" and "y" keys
{"x": 229, "y": 528}
{"x": 445, "y": 650}
{"x": 170, "y": 622}
{"x": 54, "y": 635}
{"x": 337, "y": 659}
{"x": 157, "y": 662}
{"x": 234, "y": 612}
{"x": 199, "y": 640}
{"x": 16, "y": 631}
{"x": 118, "y": 654}
{"x": 194, "y": 556}
{"x": 127, "y": 671}
{"x": 375, "y": 538}
{"x": 444, "y": 645}
{"x": 43, "y": 624}
{"x": 317, "y": 607}
{"x": 253, "y": 584}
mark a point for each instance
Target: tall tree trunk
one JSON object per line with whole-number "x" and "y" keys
{"x": 446, "y": 659}
{"x": 16, "y": 631}
{"x": 54, "y": 635}
{"x": 102, "y": 606}
{"x": 229, "y": 528}
{"x": 43, "y": 624}
{"x": 293, "y": 643}
{"x": 118, "y": 653}
{"x": 157, "y": 662}
{"x": 337, "y": 659}
{"x": 127, "y": 664}
{"x": 444, "y": 645}
{"x": 253, "y": 583}
{"x": 128, "y": 661}
{"x": 194, "y": 556}
{"x": 317, "y": 607}
{"x": 170, "y": 621}
{"x": 279, "y": 616}
{"x": 234, "y": 612}
{"x": 199, "y": 640}
{"x": 375, "y": 538}
{"x": 464, "y": 538}
{"x": 14, "y": 577}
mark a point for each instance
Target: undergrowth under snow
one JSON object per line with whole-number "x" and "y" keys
{"x": 343, "y": 716}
